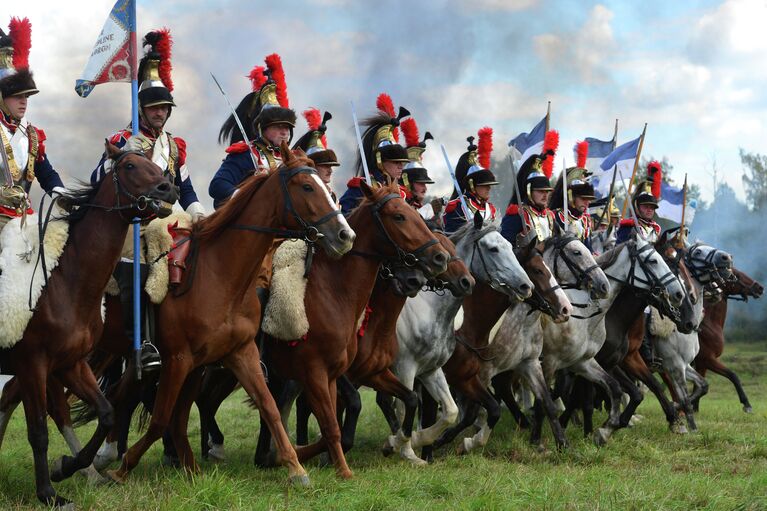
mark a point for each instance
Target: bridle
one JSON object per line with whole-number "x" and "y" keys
{"x": 582, "y": 276}
{"x": 409, "y": 259}
{"x": 704, "y": 269}
{"x": 489, "y": 279}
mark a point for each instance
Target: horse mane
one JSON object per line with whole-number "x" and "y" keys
{"x": 465, "y": 230}
{"x": 378, "y": 193}
{"x": 217, "y": 222}
{"x": 77, "y": 201}
{"x": 607, "y": 259}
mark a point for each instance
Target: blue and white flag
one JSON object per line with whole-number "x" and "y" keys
{"x": 598, "y": 151}
{"x": 622, "y": 159}
{"x": 110, "y": 60}
{"x": 525, "y": 145}
{"x": 671, "y": 204}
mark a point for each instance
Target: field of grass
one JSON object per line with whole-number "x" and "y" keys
{"x": 724, "y": 466}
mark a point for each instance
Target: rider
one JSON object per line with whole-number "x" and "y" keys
{"x": 580, "y": 193}
{"x": 535, "y": 188}
{"x": 22, "y": 150}
{"x": 314, "y": 144}
{"x": 167, "y": 151}
{"x": 384, "y": 156}
{"x": 645, "y": 202}
{"x": 268, "y": 120}
{"x": 475, "y": 179}
{"x": 415, "y": 177}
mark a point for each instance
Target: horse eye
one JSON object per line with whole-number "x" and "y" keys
{"x": 399, "y": 217}
{"x": 697, "y": 252}
{"x": 130, "y": 166}
{"x": 577, "y": 252}
{"x": 539, "y": 272}
{"x": 494, "y": 250}
{"x": 308, "y": 188}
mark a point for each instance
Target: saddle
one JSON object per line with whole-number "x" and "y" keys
{"x": 178, "y": 253}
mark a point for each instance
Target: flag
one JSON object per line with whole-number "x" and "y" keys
{"x": 110, "y": 59}
{"x": 525, "y": 145}
{"x": 623, "y": 158}
{"x": 670, "y": 205}
{"x": 598, "y": 151}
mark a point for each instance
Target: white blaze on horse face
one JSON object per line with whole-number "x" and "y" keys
{"x": 659, "y": 268}
{"x": 502, "y": 265}
{"x": 321, "y": 185}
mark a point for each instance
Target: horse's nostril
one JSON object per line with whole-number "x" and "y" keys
{"x": 163, "y": 187}
{"x": 439, "y": 259}
{"x": 465, "y": 283}
{"x": 344, "y": 235}
{"x": 525, "y": 288}
{"x": 565, "y": 311}
{"x": 413, "y": 283}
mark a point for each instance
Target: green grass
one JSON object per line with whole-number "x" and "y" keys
{"x": 722, "y": 467}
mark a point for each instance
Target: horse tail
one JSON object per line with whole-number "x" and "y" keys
{"x": 108, "y": 370}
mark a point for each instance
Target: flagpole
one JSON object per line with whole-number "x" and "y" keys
{"x": 684, "y": 210}
{"x": 615, "y": 135}
{"x": 133, "y": 62}
{"x": 634, "y": 172}
{"x": 548, "y": 116}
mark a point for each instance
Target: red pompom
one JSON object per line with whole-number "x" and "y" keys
{"x": 313, "y": 118}
{"x": 384, "y": 103}
{"x": 550, "y": 145}
{"x": 485, "y": 146}
{"x": 410, "y": 130}
{"x": 257, "y": 78}
{"x": 655, "y": 173}
{"x": 163, "y": 47}
{"x": 274, "y": 63}
{"x": 582, "y": 154}
{"x": 20, "y": 32}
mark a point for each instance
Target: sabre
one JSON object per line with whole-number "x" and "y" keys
{"x": 516, "y": 190}
{"x": 361, "y": 148}
{"x": 464, "y": 206}
{"x": 237, "y": 120}
{"x": 566, "y": 203}
{"x": 631, "y": 207}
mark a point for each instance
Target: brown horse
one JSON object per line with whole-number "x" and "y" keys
{"x": 67, "y": 320}
{"x": 218, "y": 317}
{"x": 336, "y": 295}
{"x": 711, "y": 333}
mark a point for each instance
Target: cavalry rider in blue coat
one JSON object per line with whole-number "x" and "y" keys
{"x": 314, "y": 144}
{"x": 267, "y": 120}
{"x": 535, "y": 189}
{"x": 167, "y": 151}
{"x": 580, "y": 193}
{"x": 22, "y": 146}
{"x": 475, "y": 179}
{"x": 384, "y": 156}
{"x": 645, "y": 202}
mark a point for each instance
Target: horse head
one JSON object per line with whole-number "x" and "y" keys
{"x": 308, "y": 206}
{"x": 574, "y": 265}
{"x": 457, "y": 278}
{"x": 491, "y": 259}
{"x": 708, "y": 264}
{"x": 743, "y": 285}
{"x": 548, "y": 296}
{"x": 396, "y": 233}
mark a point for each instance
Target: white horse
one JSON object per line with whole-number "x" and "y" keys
{"x": 574, "y": 344}
{"x": 425, "y": 325}
{"x": 517, "y": 344}
{"x": 678, "y": 350}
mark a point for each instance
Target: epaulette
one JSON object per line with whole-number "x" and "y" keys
{"x": 40, "y": 144}
{"x": 627, "y": 222}
{"x": 181, "y": 144}
{"x": 120, "y": 135}
{"x": 452, "y": 205}
{"x": 492, "y": 209}
{"x": 355, "y": 182}
{"x": 237, "y": 147}
{"x": 513, "y": 209}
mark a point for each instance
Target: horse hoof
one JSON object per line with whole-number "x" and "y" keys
{"x": 748, "y": 409}
{"x": 60, "y": 503}
{"x": 679, "y": 429}
{"x": 170, "y": 461}
{"x": 346, "y": 474}
{"x": 93, "y": 477}
{"x": 300, "y": 481}
{"x": 101, "y": 462}
{"x": 324, "y": 460}
{"x": 115, "y": 477}
{"x": 216, "y": 453}
{"x": 464, "y": 447}
{"x": 600, "y": 437}
{"x": 57, "y": 469}
{"x": 388, "y": 447}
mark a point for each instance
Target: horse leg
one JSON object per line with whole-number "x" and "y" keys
{"x": 533, "y": 375}
{"x": 635, "y": 367}
{"x": 587, "y": 406}
{"x": 265, "y": 456}
{"x": 352, "y": 406}
{"x": 180, "y": 421}
{"x": 173, "y": 374}
{"x": 427, "y": 419}
{"x": 246, "y": 366}
{"x": 9, "y": 400}
{"x": 321, "y": 394}
{"x": 218, "y": 384}
{"x": 303, "y": 412}
{"x": 502, "y": 385}
{"x": 719, "y": 368}
{"x": 81, "y": 381}
{"x": 700, "y": 384}
{"x": 385, "y": 403}
{"x": 436, "y": 386}
{"x": 679, "y": 384}
{"x": 635, "y": 396}
{"x": 477, "y": 391}
{"x": 573, "y": 399}
{"x": 592, "y": 371}
{"x": 387, "y": 382}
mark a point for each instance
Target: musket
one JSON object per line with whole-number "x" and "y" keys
{"x": 361, "y": 148}
{"x": 464, "y": 206}
{"x": 238, "y": 121}
{"x": 631, "y": 208}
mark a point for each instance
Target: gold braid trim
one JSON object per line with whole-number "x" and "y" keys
{"x": 172, "y": 156}
{"x": 13, "y": 167}
{"x": 34, "y": 147}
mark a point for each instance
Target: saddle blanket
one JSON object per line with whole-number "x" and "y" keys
{"x": 284, "y": 316}
{"x": 19, "y": 249}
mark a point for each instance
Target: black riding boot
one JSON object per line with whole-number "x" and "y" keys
{"x": 150, "y": 357}
{"x": 647, "y": 350}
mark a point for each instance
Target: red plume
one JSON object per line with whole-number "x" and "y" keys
{"x": 550, "y": 145}
{"x": 163, "y": 47}
{"x": 257, "y": 78}
{"x": 655, "y": 173}
{"x": 485, "y": 146}
{"x": 384, "y": 102}
{"x": 313, "y": 118}
{"x": 410, "y": 130}
{"x": 582, "y": 154}
{"x": 20, "y": 32}
{"x": 274, "y": 63}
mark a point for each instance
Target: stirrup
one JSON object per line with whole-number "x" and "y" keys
{"x": 150, "y": 357}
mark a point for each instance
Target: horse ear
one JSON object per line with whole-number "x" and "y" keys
{"x": 557, "y": 230}
{"x": 111, "y": 150}
{"x": 663, "y": 239}
{"x": 478, "y": 220}
{"x": 287, "y": 156}
{"x": 366, "y": 190}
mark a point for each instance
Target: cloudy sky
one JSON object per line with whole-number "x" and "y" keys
{"x": 694, "y": 71}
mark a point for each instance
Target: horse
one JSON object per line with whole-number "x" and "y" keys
{"x": 711, "y": 333}
{"x": 425, "y": 331}
{"x": 516, "y": 347}
{"x": 214, "y": 316}
{"x": 67, "y": 318}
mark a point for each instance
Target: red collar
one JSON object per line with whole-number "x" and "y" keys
{"x": 9, "y": 122}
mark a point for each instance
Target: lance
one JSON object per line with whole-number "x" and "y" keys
{"x": 634, "y": 172}
{"x": 238, "y": 121}
{"x": 360, "y": 146}
{"x": 606, "y": 210}
{"x": 464, "y": 206}
{"x": 631, "y": 208}
{"x": 684, "y": 210}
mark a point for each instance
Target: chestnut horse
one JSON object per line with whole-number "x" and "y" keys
{"x": 217, "y": 317}
{"x": 67, "y": 319}
{"x": 711, "y": 333}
